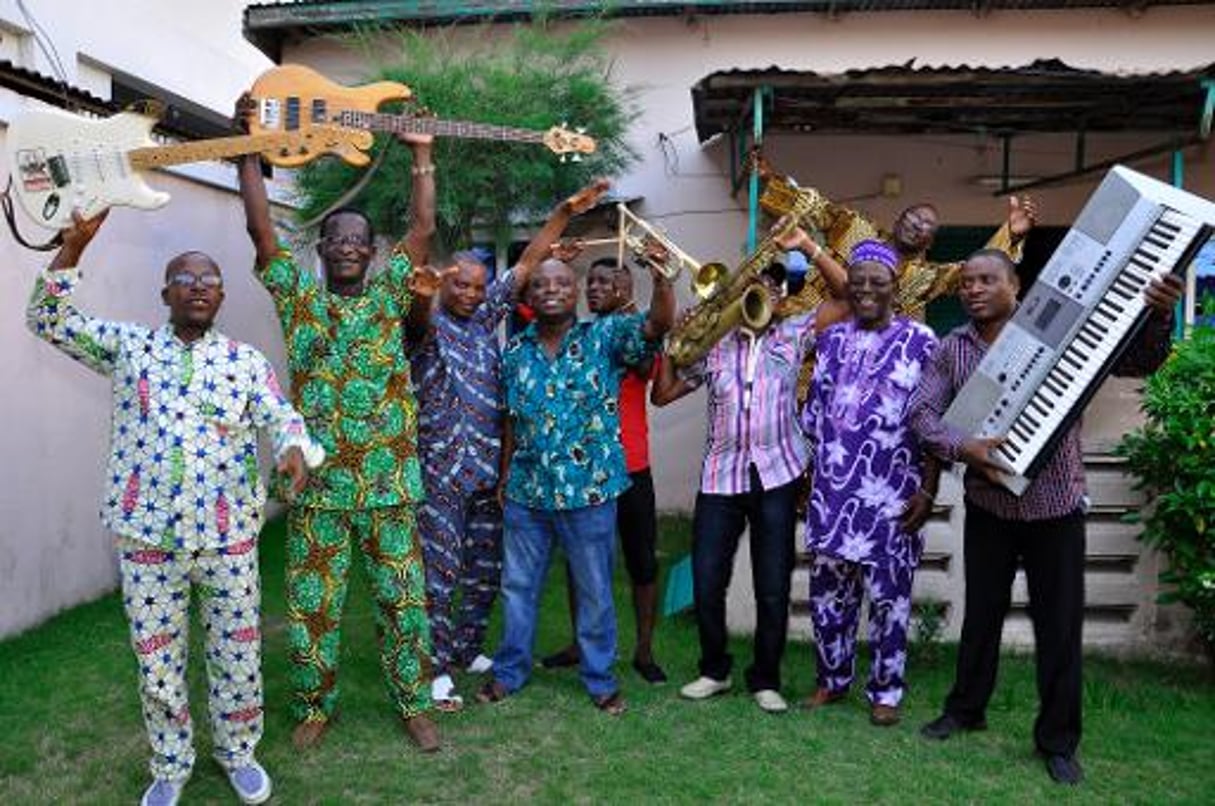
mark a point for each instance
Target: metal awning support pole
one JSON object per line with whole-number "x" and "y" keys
{"x": 757, "y": 139}
{"x": 1183, "y": 317}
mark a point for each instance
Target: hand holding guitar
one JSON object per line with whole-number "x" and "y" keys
{"x": 75, "y": 238}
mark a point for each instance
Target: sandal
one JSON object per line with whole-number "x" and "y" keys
{"x": 451, "y": 704}
{"x": 492, "y": 692}
{"x": 611, "y": 704}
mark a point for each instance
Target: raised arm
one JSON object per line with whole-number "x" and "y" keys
{"x": 51, "y": 316}
{"x": 421, "y": 198}
{"x": 668, "y": 386}
{"x": 540, "y": 246}
{"x": 834, "y": 274}
{"x": 253, "y": 191}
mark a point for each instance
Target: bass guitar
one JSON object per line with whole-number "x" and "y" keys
{"x": 60, "y": 161}
{"x": 293, "y": 97}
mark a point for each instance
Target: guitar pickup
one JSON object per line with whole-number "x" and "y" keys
{"x": 57, "y": 165}
{"x": 269, "y": 113}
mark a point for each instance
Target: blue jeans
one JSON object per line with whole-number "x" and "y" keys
{"x": 588, "y": 536}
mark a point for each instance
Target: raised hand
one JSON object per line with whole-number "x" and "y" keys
{"x": 75, "y": 238}
{"x": 1022, "y": 215}
{"x": 653, "y": 254}
{"x": 243, "y": 113}
{"x": 796, "y": 238}
{"x": 588, "y": 197}
{"x": 296, "y": 469}
{"x": 567, "y": 251}
{"x": 426, "y": 280}
{"x": 415, "y": 139}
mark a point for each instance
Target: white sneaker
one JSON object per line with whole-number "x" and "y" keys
{"x": 250, "y": 781}
{"x": 480, "y": 665}
{"x": 162, "y": 793}
{"x": 771, "y": 701}
{"x": 704, "y": 687}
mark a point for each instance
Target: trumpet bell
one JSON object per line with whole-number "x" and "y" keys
{"x": 709, "y": 277}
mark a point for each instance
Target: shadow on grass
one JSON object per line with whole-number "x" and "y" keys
{"x": 72, "y": 731}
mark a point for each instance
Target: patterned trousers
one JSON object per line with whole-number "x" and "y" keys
{"x": 462, "y": 545}
{"x": 836, "y": 588}
{"x": 318, "y": 559}
{"x": 156, "y": 596}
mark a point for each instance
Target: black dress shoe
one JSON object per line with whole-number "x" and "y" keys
{"x": 1064, "y": 769}
{"x": 562, "y": 659}
{"x": 650, "y": 672}
{"x": 947, "y": 725}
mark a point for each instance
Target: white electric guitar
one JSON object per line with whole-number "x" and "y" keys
{"x": 60, "y": 161}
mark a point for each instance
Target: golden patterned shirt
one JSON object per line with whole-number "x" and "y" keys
{"x": 920, "y": 280}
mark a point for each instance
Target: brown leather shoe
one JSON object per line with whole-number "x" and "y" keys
{"x": 310, "y": 734}
{"x": 884, "y": 716}
{"x": 822, "y": 697}
{"x": 423, "y": 732}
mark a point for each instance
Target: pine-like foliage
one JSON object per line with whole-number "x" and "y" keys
{"x": 532, "y": 76}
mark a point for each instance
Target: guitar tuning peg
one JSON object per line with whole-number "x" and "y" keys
{"x": 576, "y": 158}
{"x": 564, "y": 157}
{"x": 581, "y": 129}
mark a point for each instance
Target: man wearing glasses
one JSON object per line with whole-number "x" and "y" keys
{"x": 184, "y": 498}
{"x": 345, "y": 339}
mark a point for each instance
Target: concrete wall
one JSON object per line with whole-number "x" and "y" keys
{"x": 690, "y": 195}
{"x": 54, "y": 414}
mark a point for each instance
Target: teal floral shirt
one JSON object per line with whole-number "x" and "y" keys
{"x": 565, "y": 413}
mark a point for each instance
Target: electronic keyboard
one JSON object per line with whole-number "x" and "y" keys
{"x": 1079, "y": 318}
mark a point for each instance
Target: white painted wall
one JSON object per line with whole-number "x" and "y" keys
{"x": 664, "y": 57}
{"x": 54, "y": 414}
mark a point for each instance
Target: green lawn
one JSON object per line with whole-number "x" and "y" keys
{"x": 70, "y": 729}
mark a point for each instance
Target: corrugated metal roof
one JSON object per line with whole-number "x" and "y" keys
{"x": 179, "y": 118}
{"x": 50, "y": 90}
{"x": 266, "y": 25}
{"x": 1044, "y": 96}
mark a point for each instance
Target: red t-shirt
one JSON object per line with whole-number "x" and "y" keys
{"x": 634, "y": 427}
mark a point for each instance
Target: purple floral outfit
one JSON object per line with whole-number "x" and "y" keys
{"x": 866, "y": 467}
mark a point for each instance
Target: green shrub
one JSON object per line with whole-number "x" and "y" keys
{"x": 1173, "y": 456}
{"x": 536, "y": 76}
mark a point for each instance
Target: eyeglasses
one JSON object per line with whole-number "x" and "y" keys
{"x": 185, "y": 279}
{"x": 338, "y": 241}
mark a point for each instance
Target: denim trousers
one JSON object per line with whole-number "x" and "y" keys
{"x": 588, "y": 537}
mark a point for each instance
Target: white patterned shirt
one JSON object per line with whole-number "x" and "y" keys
{"x": 183, "y": 470}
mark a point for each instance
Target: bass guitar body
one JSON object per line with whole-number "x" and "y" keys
{"x": 293, "y": 97}
{"x": 62, "y": 162}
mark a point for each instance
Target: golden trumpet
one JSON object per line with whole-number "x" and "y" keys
{"x": 704, "y": 278}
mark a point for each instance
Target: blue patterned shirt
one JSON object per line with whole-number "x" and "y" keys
{"x": 565, "y": 412}
{"x": 183, "y": 470}
{"x": 456, "y": 373}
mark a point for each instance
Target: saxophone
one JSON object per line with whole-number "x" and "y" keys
{"x": 739, "y": 299}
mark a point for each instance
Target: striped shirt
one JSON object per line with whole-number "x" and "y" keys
{"x": 754, "y": 423}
